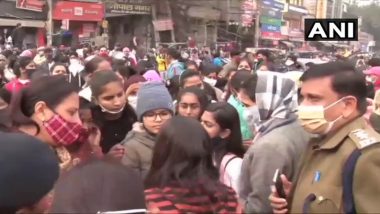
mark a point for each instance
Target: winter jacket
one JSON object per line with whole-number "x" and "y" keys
{"x": 278, "y": 148}
{"x": 138, "y": 146}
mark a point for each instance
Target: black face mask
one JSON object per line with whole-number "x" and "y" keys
{"x": 30, "y": 70}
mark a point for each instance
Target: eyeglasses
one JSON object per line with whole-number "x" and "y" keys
{"x": 152, "y": 116}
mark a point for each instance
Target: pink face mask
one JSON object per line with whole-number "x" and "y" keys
{"x": 63, "y": 132}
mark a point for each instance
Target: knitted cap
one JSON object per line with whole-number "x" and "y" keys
{"x": 29, "y": 169}
{"x": 152, "y": 96}
{"x": 152, "y": 75}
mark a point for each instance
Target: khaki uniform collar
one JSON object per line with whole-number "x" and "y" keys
{"x": 337, "y": 138}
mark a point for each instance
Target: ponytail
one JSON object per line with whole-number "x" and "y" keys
{"x": 20, "y": 112}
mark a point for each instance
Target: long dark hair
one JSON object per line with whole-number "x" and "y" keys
{"x": 50, "y": 89}
{"x": 236, "y": 81}
{"x": 199, "y": 93}
{"x": 21, "y": 62}
{"x": 99, "y": 185}
{"x": 227, "y": 118}
{"x": 182, "y": 155}
{"x": 92, "y": 65}
{"x": 59, "y": 64}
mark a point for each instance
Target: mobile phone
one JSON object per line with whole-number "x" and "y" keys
{"x": 278, "y": 184}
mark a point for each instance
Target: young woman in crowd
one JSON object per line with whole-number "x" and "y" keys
{"x": 48, "y": 110}
{"x": 183, "y": 177}
{"x": 23, "y": 69}
{"x": 131, "y": 87}
{"x": 112, "y": 113}
{"x": 221, "y": 122}
{"x": 190, "y": 78}
{"x": 154, "y": 108}
{"x": 58, "y": 69}
{"x": 232, "y": 98}
{"x": 279, "y": 139}
{"x": 98, "y": 186}
{"x": 191, "y": 102}
{"x": 93, "y": 65}
{"x": 245, "y": 64}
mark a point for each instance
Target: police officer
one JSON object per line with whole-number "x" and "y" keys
{"x": 340, "y": 169}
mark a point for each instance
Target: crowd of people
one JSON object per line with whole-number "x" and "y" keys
{"x": 92, "y": 130}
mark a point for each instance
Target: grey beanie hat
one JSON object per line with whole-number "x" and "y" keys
{"x": 152, "y": 96}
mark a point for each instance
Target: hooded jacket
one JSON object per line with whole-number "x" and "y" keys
{"x": 279, "y": 143}
{"x": 139, "y": 146}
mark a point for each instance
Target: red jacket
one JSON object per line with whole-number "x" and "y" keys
{"x": 15, "y": 85}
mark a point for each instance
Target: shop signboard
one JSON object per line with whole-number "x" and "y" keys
{"x": 163, "y": 25}
{"x": 142, "y": 7}
{"x": 273, "y": 4}
{"x": 78, "y": 11}
{"x": 34, "y": 5}
{"x": 265, "y": 11}
{"x": 270, "y": 28}
{"x": 270, "y": 21}
{"x": 271, "y": 35}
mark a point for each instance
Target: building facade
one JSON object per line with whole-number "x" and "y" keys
{"x": 31, "y": 14}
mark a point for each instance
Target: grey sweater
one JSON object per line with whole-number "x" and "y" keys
{"x": 280, "y": 148}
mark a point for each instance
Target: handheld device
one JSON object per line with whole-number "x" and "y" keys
{"x": 278, "y": 184}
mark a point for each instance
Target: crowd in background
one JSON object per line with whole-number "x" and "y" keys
{"x": 87, "y": 130}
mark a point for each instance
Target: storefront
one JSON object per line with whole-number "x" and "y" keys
{"x": 77, "y": 22}
{"x": 294, "y": 21}
{"x": 128, "y": 19}
{"x": 31, "y": 14}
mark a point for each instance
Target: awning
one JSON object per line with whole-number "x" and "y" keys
{"x": 288, "y": 44}
{"x": 24, "y": 23}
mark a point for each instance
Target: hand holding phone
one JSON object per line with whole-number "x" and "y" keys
{"x": 278, "y": 184}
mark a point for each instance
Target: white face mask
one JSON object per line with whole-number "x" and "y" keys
{"x": 289, "y": 62}
{"x": 74, "y": 61}
{"x": 132, "y": 100}
{"x": 112, "y": 112}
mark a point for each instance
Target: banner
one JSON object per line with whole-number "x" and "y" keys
{"x": 270, "y": 28}
{"x": 273, "y": 4}
{"x": 34, "y": 5}
{"x": 270, "y": 21}
{"x": 271, "y": 13}
{"x": 142, "y": 7}
{"x": 248, "y": 7}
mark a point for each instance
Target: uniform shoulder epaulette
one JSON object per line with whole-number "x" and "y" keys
{"x": 364, "y": 138}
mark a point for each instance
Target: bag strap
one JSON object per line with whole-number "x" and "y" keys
{"x": 226, "y": 164}
{"x": 348, "y": 178}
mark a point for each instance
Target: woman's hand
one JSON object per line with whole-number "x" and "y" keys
{"x": 116, "y": 152}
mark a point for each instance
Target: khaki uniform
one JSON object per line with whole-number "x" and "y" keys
{"x": 319, "y": 185}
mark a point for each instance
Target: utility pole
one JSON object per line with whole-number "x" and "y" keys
{"x": 257, "y": 25}
{"x": 168, "y": 7}
{"x": 228, "y": 14}
{"x": 49, "y": 23}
